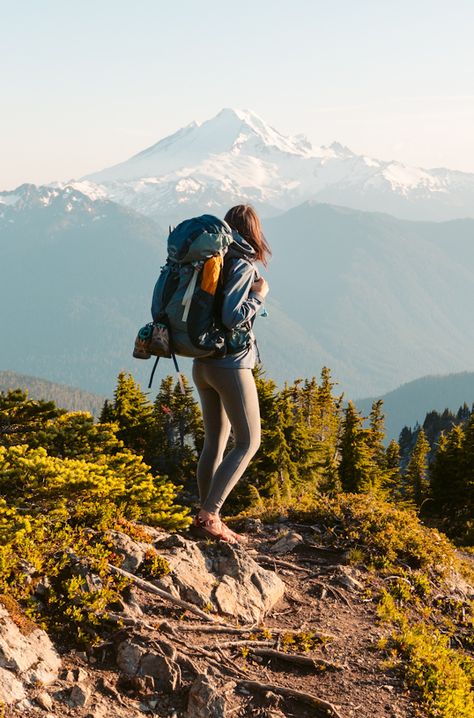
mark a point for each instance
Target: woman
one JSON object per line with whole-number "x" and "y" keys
{"x": 226, "y": 386}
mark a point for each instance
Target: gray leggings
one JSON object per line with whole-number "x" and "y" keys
{"x": 229, "y": 399}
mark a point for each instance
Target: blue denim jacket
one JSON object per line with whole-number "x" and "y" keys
{"x": 239, "y": 305}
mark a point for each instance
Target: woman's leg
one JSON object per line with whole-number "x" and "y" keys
{"x": 216, "y": 432}
{"x": 238, "y": 394}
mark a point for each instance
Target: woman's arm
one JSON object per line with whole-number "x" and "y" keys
{"x": 239, "y": 303}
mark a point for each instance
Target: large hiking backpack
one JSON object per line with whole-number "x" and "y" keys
{"x": 186, "y": 302}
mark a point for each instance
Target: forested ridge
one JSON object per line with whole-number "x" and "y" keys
{"x": 67, "y": 480}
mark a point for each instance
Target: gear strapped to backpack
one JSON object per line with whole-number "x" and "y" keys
{"x": 186, "y": 302}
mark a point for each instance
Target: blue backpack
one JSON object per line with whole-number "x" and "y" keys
{"x": 186, "y": 301}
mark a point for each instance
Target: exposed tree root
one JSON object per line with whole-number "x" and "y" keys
{"x": 278, "y": 562}
{"x": 308, "y": 698}
{"x": 151, "y": 588}
{"x": 295, "y": 658}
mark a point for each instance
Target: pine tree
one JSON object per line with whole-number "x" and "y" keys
{"x": 269, "y": 472}
{"x": 376, "y": 435}
{"x": 322, "y": 414}
{"x": 392, "y": 462}
{"x": 21, "y": 417}
{"x": 132, "y": 411}
{"x": 274, "y": 472}
{"x": 177, "y": 433}
{"x": 446, "y": 473}
{"x": 416, "y": 476}
{"x": 357, "y": 471}
{"x": 107, "y": 412}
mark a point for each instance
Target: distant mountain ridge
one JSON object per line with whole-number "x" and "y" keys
{"x": 237, "y": 157}
{"x": 366, "y": 294}
{"x": 409, "y": 403}
{"x": 66, "y": 397}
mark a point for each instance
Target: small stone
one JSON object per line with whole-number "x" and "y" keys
{"x": 346, "y": 579}
{"x": 67, "y": 676}
{"x": 25, "y": 705}
{"x": 128, "y": 658}
{"x": 80, "y": 675}
{"x": 99, "y": 711}
{"x": 287, "y": 543}
{"x": 44, "y": 700}
{"x": 79, "y": 695}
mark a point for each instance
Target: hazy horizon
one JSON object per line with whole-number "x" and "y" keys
{"x": 89, "y": 87}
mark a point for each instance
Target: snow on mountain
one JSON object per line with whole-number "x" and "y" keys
{"x": 236, "y": 157}
{"x": 30, "y": 195}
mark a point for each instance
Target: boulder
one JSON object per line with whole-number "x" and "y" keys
{"x": 32, "y": 658}
{"x": 222, "y": 576}
{"x": 11, "y": 689}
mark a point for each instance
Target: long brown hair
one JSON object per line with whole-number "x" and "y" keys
{"x": 244, "y": 219}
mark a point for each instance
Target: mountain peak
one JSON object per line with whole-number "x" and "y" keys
{"x": 230, "y": 131}
{"x": 341, "y": 150}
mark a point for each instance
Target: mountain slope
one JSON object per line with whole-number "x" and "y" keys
{"x": 410, "y": 403}
{"x": 236, "y": 157}
{"x": 376, "y": 292}
{"x": 370, "y": 296}
{"x": 81, "y": 274}
{"x": 78, "y": 285}
{"x": 66, "y": 397}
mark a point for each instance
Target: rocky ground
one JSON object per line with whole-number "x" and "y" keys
{"x": 281, "y": 627}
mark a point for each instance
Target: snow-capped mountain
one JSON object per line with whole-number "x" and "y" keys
{"x": 236, "y": 157}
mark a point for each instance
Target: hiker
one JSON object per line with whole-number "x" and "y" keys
{"x": 226, "y": 385}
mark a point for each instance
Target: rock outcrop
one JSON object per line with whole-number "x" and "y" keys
{"x": 221, "y": 577}
{"x": 25, "y": 660}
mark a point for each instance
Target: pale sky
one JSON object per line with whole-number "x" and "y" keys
{"x": 88, "y": 84}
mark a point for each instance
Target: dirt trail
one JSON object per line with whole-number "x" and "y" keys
{"x": 323, "y": 596}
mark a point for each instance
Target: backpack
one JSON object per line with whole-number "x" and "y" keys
{"x": 186, "y": 302}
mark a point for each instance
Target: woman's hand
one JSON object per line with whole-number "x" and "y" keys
{"x": 260, "y": 287}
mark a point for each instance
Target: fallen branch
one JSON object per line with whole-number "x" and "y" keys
{"x": 332, "y": 589}
{"x": 218, "y": 629}
{"x": 254, "y": 629}
{"x": 151, "y": 588}
{"x": 308, "y": 698}
{"x": 237, "y": 644}
{"x": 296, "y": 658}
{"x": 278, "y": 562}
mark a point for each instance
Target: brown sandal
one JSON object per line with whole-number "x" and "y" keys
{"x": 206, "y": 528}
{"x": 241, "y": 538}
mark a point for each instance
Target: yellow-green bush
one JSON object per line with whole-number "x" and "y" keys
{"x": 383, "y": 534}
{"x": 54, "y": 517}
{"x": 87, "y": 492}
{"x": 442, "y": 677}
